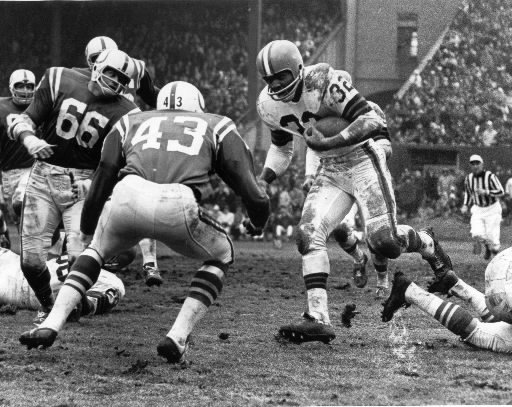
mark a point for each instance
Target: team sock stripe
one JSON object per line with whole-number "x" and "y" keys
{"x": 208, "y": 279}
{"x": 316, "y": 280}
{"x": 449, "y": 314}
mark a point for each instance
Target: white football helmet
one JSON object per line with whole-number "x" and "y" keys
{"x": 180, "y": 95}
{"x": 112, "y": 71}
{"x": 95, "y": 46}
{"x": 498, "y": 286}
{"x": 22, "y": 77}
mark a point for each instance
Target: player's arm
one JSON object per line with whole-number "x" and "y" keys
{"x": 279, "y": 155}
{"x": 234, "y": 164}
{"x": 348, "y": 103}
{"x": 147, "y": 90}
{"x": 104, "y": 178}
{"x": 495, "y": 187}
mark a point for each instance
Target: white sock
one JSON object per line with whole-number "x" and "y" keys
{"x": 190, "y": 314}
{"x": 148, "y": 250}
{"x": 427, "y": 302}
{"x": 66, "y": 301}
{"x": 472, "y": 296}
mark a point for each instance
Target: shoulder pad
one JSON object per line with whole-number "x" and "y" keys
{"x": 316, "y": 77}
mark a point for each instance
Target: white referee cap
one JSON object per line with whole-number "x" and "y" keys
{"x": 475, "y": 157}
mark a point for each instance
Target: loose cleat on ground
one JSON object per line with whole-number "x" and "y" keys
{"x": 443, "y": 282}
{"x": 359, "y": 273}
{"x": 309, "y": 330}
{"x": 38, "y": 337}
{"x": 396, "y": 298}
{"x": 151, "y": 275}
{"x": 168, "y": 349}
{"x": 440, "y": 261}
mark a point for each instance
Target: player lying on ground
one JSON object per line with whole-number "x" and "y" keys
{"x": 492, "y": 331}
{"x": 15, "y": 290}
{"x": 169, "y": 154}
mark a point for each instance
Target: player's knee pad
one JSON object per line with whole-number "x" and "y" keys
{"x": 384, "y": 243}
{"x": 341, "y": 233}
{"x": 304, "y": 238}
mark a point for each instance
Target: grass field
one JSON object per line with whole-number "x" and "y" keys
{"x": 111, "y": 360}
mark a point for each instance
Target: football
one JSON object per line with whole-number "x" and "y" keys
{"x": 498, "y": 286}
{"x": 330, "y": 126}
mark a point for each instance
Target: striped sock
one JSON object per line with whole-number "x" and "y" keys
{"x": 456, "y": 319}
{"x": 204, "y": 290}
{"x": 315, "y": 271}
{"x": 474, "y": 298}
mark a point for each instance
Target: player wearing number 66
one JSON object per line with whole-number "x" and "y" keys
{"x": 156, "y": 166}
{"x": 75, "y": 113}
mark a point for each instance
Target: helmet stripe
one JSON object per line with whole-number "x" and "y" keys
{"x": 172, "y": 95}
{"x": 126, "y": 62}
{"x": 103, "y": 45}
{"x": 267, "y": 65}
{"x": 25, "y": 78}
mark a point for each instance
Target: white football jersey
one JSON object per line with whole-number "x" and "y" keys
{"x": 326, "y": 92}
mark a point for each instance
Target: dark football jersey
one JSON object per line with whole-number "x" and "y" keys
{"x": 13, "y": 154}
{"x": 168, "y": 147}
{"x": 72, "y": 118}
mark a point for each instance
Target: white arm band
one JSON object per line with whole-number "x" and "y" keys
{"x": 312, "y": 162}
{"x": 20, "y": 125}
{"x": 279, "y": 158}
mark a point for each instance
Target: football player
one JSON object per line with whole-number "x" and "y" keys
{"x": 169, "y": 154}
{"x": 492, "y": 329}
{"x": 14, "y": 289}
{"x": 142, "y": 85}
{"x": 75, "y": 114}
{"x": 293, "y": 100}
{"x": 15, "y": 161}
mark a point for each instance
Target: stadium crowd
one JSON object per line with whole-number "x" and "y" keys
{"x": 463, "y": 95}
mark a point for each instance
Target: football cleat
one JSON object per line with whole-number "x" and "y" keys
{"x": 40, "y": 316}
{"x": 440, "y": 262}
{"x": 37, "y": 337}
{"x": 442, "y": 283}
{"x": 309, "y": 330}
{"x": 170, "y": 350}
{"x": 359, "y": 273}
{"x": 396, "y": 298}
{"x": 152, "y": 275}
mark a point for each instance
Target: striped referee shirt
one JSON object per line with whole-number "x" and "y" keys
{"x": 485, "y": 180}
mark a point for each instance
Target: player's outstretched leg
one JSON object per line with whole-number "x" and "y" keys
{"x": 37, "y": 337}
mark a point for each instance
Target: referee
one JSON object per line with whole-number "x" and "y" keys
{"x": 482, "y": 189}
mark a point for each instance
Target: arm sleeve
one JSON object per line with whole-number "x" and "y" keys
{"x": 147, "y": 90}
{"x": 467, "y": 193}
{"x": 234, "y": 164}
{"x": 495, "y": 187}
{"x": 280, "y": 153}
{"x": 103, "y": 181}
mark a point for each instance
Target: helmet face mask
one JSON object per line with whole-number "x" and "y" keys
{"x": 180, "y": 95}
{"x": 22, "y": 84}
{"x": 280, "y": 61}
{"x": 96, "y": 46}
{"x": 112, "y": 71}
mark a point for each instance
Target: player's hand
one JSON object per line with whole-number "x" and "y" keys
{"x": 308, "y": 181}
{"x": 263, "y": 184}
{"x": 39, "y": 148}
{"x": 464, "y": 209}
{"x": 315, "y": 139}
{"x": 80, "y": 189}
{"x": 250, "y": 229}
{"x": 85, "y": 239}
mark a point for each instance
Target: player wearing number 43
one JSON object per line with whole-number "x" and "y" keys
{"x": 351, "y": 166}
{"x": 75, "y": 114}
{"x": 169, "y": 154}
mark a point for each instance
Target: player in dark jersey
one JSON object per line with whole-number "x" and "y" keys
{"x": 353, "y": 169}
{"x": 75, "y": 114}
{"x": 140, "y": 85}
{"x": 15, "y": 161}
{"x": 168, "y": 154}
